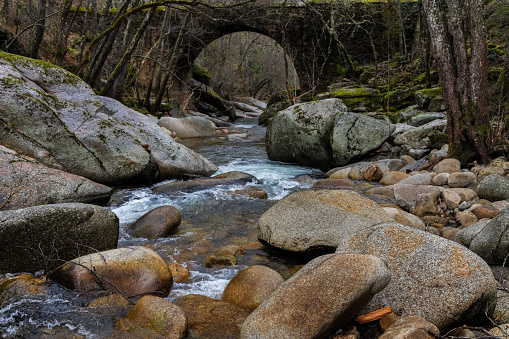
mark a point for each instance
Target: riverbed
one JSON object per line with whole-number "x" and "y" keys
{"x": 211, "y": 218}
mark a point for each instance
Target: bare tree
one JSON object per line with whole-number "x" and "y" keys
{"x": 39, "y": 29}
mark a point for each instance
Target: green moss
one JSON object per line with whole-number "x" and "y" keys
{"x": 201, "y": 74}
{"x": 355, "y": 93}
{"x": 430, "y": 92}
{"x": 59, "y": 75}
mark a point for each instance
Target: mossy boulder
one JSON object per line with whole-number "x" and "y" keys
{"x": 363, "y": 99}
{"x": 431, "y": 135}
{"x": 423, "y": 97}
{"x": 322, "y": 134}
{"x": 35, "y": 184}
{"x": 51, "y": 115}
{"x": 399, "y": 99}
{"x": 32, "y": 238}
{"x": 300, "y": 133}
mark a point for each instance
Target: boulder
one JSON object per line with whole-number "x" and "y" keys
{"x": 228, "y": 178}
{"x": 423, "y": 97}
{"x": 399, "y": 99}
{"x": 157, "y": 223}
{"x": 31, "y": 238}
{"x": 406, "y": 114}
{"x": 393, "y": 177}
{"x": 466, "y": 218}
{"x": 447, "y": 166}
{"x": 189, "y": 127}
{"x": 424, "y": 118}
{"x": 318, "y": 220}
{"x": 226, "y": 256}
{"x": 56, "y": 118}
{"x": 20, "y": 286}
{"x": 451, "y": 199}
{"x": 356, "y": 134}
{"x": 300, "y": 133}
{"x": 432, "y": 277}
{"x": 362, "y": 99}
{"x": 494, "y": 187}
{"x": 408, "y": 195}
{"x": 319, "y": 299}
{"x": 211, "y": 318}
{"x": 252, "y": 286}
{"x": 179, "y": 272}
{"x": 417, "y": 179}
{"x": 157, "y": 314}
{"x": 488, "y": 239}
{"x": 25, "y": 182}
{"x": 430, "y": 135}
{"x": 440, "y": 179}
{"x": 133, "y": 271}
{"x": 411, "y": 326}
{"x": 485, "y": 212}
{"x": 461, "y": 179}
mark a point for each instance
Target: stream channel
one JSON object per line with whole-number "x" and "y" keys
{"x": 211, "y": 218}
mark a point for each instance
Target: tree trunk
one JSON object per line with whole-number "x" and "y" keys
{"x": 40, "y": 27}
{"x": 504, "y": 77}
{"x": 162, "y": 90}
{"x": 158, "y": 69}
{"x": 463, "y": 74}
{"x": 122, "y": 64}
{"x": 5, "y": 9}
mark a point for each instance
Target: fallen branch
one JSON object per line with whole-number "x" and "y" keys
{"x": 372, "y": 316}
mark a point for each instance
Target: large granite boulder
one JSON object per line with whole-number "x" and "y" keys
{"x": 317, "y": 221}
{"x": 33, "y": 238}
{"x": 319, "y": 299}
{"x": 52, "y": 116}
{"x": 300, "y": 133}
{"x": 134, "y": 271}
{"x": 432, "y": 277}
{"x": 323, "y": 134}
{"x": 24, "y": 182}
{"x": 488, "y": 238}
{"x": 355, "y": 134}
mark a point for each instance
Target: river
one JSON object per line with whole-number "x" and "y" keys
{"x": 211, "y": 218}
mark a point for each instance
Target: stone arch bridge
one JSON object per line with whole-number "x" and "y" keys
{"x": 302, "y": 29}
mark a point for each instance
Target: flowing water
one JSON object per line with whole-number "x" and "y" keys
{"x": 211, "y": 218}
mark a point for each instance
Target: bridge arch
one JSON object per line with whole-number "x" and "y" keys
{"x": 247, "y": 60}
